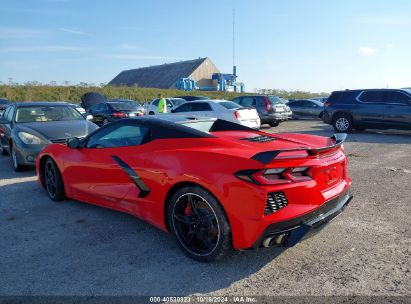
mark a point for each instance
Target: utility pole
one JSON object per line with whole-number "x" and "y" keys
{"x": 234, "y": 67}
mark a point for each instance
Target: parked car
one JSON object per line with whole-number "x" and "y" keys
{"x": 27, "y": 127}
{"x": 321, "y": 99}
{"x": 306, "y": 108}
{"x": 192, "y": 98}
{"x": 222, "y": 109}
{"x": 90, "y": 99}
{"x": 106, "y": 112}
{"x": 3, "y": 105}
{"x": 171, "y": 103}
{"x": 137, "y": 106}
{"x": 271, "y": 109}
{"x": 371, "y": 108}
{"x": 79, "y": 108}
{"x": 288, "y": 110}
{"x": 214, "y": 185}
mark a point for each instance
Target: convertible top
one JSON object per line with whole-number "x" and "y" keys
{"x": 176, "y": 126}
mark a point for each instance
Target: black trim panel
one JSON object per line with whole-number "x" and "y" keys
{"x": 268, "y": 156}
{"x": 144, "y": 190}
{"x": 313, "y": 219}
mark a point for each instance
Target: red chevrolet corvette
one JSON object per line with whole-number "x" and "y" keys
{"x": 213, "y": 184}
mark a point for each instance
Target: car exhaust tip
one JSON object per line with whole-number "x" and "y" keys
{"x": 274, "y": 240}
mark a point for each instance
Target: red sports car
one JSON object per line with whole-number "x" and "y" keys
{"x": 213, "y": 184}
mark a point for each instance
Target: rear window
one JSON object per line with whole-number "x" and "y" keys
{"x": 178, "y": 101}
{"x": 121, "y": 106}
{"x": 230, "y": 105}
{"x": 343, "y": 97}
{"x": 371, "y": 96}
{"x": 274, "y": 99}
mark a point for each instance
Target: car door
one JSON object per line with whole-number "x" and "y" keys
{"x": 297, "y": 108}
{"x": 397, "y": 113}
{"x": 312, "y": 110}
{"x": 102, "y": 171}
{"x": 371, "y": 108}
{"x": 6, "y": 128}
{"x": 203, "y": 109}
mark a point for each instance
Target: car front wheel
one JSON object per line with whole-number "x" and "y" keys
{"x": 199, "y": 225}
{"x": 53, "y": 181}
{"x": 342, "y": 123}
{"x": 273, "y": 124}
{"x": 15, "y": 160}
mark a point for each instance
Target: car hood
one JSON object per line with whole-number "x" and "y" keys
{"x": 55, "y": 130}
{"x": 90, "y": 99}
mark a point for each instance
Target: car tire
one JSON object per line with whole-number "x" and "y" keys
{"x": 2, "y": 150}
{"x": 321, "y": 115}
{"x": 202, "y": 232}
{"x": 151, "y": 113}
{"x": 273, "y": 124}
{"x": 105, "y": 121}
{"x": 14, "y": 160}
{"x": 342, "y": 123}
{"x": 53, "y": 182}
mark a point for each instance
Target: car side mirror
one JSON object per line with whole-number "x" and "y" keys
{"x": 73, "y": 143}
{"x": 173, "y": 111}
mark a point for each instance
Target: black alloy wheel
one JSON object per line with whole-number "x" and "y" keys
{"x": 199, "y": 225}
{"x": 53, "y": 181}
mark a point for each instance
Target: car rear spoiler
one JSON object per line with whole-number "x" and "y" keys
{"x": 268, "y": 156}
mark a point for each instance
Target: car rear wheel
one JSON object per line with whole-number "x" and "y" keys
{"x": 342, "y": 123}
{"x": 15, "y": 160}
{"x": 273, "y": 124}
{"x": 199, "y": 225}
{"x": 53, "y": 181}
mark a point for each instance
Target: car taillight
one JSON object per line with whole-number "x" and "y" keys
{"x": 275, "y": 176}
{"x": 267, "y": 104}
{"x": 327, "y": 104}
{"x": 119, "y": 114}
{"x": 237, "y": 115}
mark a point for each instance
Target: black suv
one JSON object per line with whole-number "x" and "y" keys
{"x": 271, "y": 109}
{"x": 372, "y": 108}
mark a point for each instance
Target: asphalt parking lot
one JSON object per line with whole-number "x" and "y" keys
{"x": 72, "y": 248}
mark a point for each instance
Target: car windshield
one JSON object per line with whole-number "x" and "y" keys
{"x": 47, "y": 113}
{"x": 178, "y": 102}
{"x": 200, "y": 125}
{"x": 230, "y": 105}
{"x": 122, "y": 106}
{"x": 275, "y": 99}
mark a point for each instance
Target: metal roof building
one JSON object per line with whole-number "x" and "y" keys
{"x": 165, "y": 76}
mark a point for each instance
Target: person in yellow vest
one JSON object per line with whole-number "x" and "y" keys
{"x": 162, "y": 104}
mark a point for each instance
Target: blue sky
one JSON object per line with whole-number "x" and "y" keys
{"x": 314, "y": 45}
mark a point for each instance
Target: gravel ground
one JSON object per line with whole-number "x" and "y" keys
{"x": 71, "y": 248}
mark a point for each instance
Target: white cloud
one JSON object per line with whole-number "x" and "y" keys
{"x": 46, "y": 48}
{"x": 367, "y": 51}
{"x": 72, "y": 30}
{"x": 127, "y": 46}
{"x": 17, "y": 32}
